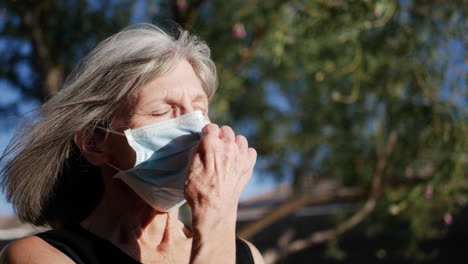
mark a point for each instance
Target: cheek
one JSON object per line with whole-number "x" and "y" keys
{"x": 122, "y": 155}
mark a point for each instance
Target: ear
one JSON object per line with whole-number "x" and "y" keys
{"x": 92, "y": 147}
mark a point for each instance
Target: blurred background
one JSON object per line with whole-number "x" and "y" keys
{"x": 358, "y": 110}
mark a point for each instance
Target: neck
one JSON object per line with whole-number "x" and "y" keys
{"x": 124, "y": 219}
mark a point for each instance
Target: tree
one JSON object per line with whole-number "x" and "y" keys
{"x": 370, "y": 95}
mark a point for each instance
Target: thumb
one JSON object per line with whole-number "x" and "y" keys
{"x": 168, "y": 231}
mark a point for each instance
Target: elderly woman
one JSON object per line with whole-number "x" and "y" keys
{"x": 119, "y": 149}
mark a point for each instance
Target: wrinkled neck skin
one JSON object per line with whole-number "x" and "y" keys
{"x": 125, "y": 220}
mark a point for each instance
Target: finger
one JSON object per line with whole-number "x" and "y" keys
{"x": 167, "y": 232}
{"x": 227, "y": 134}
{"x": 242, "y": 143}
{"x": 174, "y": 222}
{"x": 209, "y": 129}
{"x": 252, "y": 156}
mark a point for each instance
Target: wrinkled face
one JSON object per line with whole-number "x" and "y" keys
{"x": 173, "y": 94}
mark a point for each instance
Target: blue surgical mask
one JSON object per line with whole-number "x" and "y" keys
{"x": 164, "y": 152}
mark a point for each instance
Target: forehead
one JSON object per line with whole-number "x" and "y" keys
{"x": 180, "y": 81}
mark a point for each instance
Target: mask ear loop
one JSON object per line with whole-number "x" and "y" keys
{"x": 111, "y": 131}
{"x": 114, "y": 167}
{"x": 115, "y": 133}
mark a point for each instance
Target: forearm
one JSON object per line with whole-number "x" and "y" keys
{"x": 213, "y": 239}
{"x": 220, "y": 170}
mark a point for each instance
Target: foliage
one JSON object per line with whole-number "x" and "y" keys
{"x": 317, "y": 86}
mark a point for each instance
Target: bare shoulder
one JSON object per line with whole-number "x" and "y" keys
{"x": 258, "y": 259}
{"x": 32, "y": 250}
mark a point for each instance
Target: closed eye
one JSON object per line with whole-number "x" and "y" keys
{"x": 161, "y": 112}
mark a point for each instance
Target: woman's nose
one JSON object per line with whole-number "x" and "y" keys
{"x": 186, "y": 110}
{"x": 186, "y": 107}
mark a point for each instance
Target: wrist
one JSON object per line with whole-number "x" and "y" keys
{"x": 213, "y": 238}
{"x": 207, "y": 221}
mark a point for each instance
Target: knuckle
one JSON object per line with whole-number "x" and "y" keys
{"x": 210, "y": 128}
{"x": 227, "y": 129}
{"x": 241, "y": 140}
{"x": 252, "y": 153}
{"x": 230, "y": 147}
{"x": 206, "y": 143}
{"x": 226, "y": 133}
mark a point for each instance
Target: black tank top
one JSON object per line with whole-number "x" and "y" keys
{"x": 84, "y": 247}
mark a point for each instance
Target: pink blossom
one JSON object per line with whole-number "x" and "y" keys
{"x": 448, "y": 219}
{"x": 238, "y": 31}
{"x": 428, "y": 193}
{"x": 377, "y": 11}
{"x": 181, "y": 5}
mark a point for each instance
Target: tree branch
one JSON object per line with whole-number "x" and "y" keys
{"x": 254, "y": 227}
{"x": 273, "y": 255}
{"x": 192, "y": 13}
{"x": 247, "y": 54}
{"x": 186, "y": 18}
{"x": 53, "y": 73}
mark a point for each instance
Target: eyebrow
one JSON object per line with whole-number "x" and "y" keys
{"x": 198, "y": 98}
{"x": 203, "y": 97}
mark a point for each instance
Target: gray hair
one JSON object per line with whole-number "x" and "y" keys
{"x": 45, "y": 177}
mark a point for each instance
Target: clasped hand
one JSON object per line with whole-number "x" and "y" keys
{"x": 220, "y": 170}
